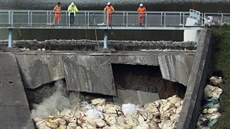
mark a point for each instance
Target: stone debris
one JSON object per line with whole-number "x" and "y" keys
{"x": 212, "y": 91}
{"x": 161, "y": 114}
{"x": 210, "y": 111}
{"x": 214, "y": 80}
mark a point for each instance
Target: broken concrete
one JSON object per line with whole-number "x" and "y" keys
{"x": 40, "y": 69}
{"x": 176, "y": 68}
{"x": 90, "y": 72}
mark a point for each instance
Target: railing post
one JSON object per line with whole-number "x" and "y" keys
{"x": 183, "y": 20}
{"x": 85, "y": 18}
{"x": 161, "y": 18}
{"x": 28, "y": 13}
{"x": 9, "y": 18}
{"x": 66, "y": 18}
{"x": 123, "y": 18}
{"x": 105, "y": 39}
{"x": 12, "y": 18}
{"x": 88, "y": 19}
{"x": 47, "y": 18}
{"x": 10, "y": 38}
{"x": 222, "y": 18}
{"x": 146, "y": 18}
{"x": 127, "y": 17}
{"x": 31, "y": 18}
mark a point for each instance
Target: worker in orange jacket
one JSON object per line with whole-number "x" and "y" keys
{"x": 141, "y": 14}
{"x": 109, "y": 10}
{"x": 57, "y": 13}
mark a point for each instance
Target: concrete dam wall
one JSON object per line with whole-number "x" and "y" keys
{"x": 151, "y": 73}
{"x": 96, "y": 74}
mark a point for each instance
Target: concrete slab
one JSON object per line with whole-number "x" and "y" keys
{"x": 40, "y": 69}
{"x": 14, "y": 109}
{"x": 92, "y": 74}
{"x": 176, "y": 68}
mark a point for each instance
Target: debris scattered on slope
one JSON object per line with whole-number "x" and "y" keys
{"x": 161, "y": 114}
{"x": 210, "y": 112}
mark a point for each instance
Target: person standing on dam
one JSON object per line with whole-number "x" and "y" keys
{"x": 72, "y": 10}
{"x": 141, "y": 14}
{"x": 57, "y": 13}
{"x": 109, "y": 11}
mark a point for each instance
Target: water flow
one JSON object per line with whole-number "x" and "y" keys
{"x": 56, "y": 102}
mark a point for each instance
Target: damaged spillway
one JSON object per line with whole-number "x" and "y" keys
{"x": 61, "y": 79}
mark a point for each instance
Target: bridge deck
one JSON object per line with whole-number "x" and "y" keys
{"x": 121, "y": 20}
{"x": 103, "y": 28}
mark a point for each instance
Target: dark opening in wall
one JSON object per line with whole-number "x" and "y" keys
{"x": 136, "y": 77}
{"x": 145, "y": 78}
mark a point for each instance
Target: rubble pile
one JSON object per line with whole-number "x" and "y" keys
{"x": 210, "y": 111}
{"x": 161, "y": 114}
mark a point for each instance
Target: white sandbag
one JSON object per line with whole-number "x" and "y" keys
{"x": 142, "y": 126}
{"x": 110, "y": 119}
{"x": 98, "y": 101}
{"x": 129, "y": 109}
{"x": 92, "y": 113}
{"x": 212, "y": 91}
{"x": 111, "y": 109}
{"x": 214, "y": 80}
{"x": 100, "y": 123}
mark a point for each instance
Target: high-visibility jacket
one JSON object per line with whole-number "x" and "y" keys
{"x": 141, "y": 9}
{"x": 74, "y": 9}
{"x": 109, "y": 9}
{"x": 57, "y": 9}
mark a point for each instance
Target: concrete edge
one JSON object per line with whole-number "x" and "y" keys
{"x": 196, "y": 83}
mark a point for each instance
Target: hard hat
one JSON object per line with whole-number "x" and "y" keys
{"x": 72, "y": 3}
{"x": 141, "y": 5}
{"x": 108, "y": 3}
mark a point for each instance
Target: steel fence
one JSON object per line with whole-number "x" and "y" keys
{"x": 217, "y": 18}
{"x": 41, "y": 18}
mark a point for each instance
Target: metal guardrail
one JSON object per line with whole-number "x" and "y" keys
{"x": 217, "y": 18}
{"x": 89, "y": 18}
{"x": 43, "y": 18}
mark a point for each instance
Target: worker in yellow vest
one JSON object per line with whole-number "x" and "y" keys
{"x": 72, "y": 9}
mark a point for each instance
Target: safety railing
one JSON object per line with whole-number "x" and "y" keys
{"x": 217, "y": 18}
{"x": 43, "y": 18}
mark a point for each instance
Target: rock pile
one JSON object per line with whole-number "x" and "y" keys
{"x": 161, "y": 114}
{"x": 210, "y": 112}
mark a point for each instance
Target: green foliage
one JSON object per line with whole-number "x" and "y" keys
{"x": 221, "y": 61}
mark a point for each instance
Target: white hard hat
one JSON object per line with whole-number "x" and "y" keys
{"x": 108, "y": 3}
{"x": 72, "y": 3}
{"x": 141, "y": 5}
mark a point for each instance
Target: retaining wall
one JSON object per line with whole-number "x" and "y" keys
{"x": 196, "y": 83}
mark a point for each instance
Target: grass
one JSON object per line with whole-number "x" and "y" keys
{"x": 221, "y": 61}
